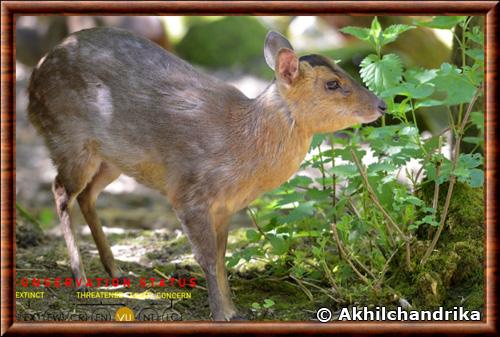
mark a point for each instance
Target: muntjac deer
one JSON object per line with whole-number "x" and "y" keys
{"x": 108, "y": 102}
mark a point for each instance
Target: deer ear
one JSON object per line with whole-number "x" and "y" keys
{"x": 287, "y": 66}
{"x": 274, "y": 42}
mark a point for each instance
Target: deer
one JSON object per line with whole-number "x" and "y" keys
{"x": 108, "y": 103}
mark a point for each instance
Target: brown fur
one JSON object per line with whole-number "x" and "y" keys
{"x": 108, "y": 102}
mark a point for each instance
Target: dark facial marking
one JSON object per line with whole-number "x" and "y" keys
{"x": 317, "y": 61}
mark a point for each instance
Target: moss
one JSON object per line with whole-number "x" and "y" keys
{"x": 470, "y": 263}
{"x": 430, "y": 289}
{"x": 291, "y": 303}
{"x": 465, "y": 220}
{"x": 454, "y": 273}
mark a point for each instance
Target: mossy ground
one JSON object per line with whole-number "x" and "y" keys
{"x": 143, "y": 253}
{"x": 454, "y": 272}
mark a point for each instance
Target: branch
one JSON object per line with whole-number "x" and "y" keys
{"x": 254, "y": 221}
{"x": 346, "y": 256}
{"x": 453, "y": 178}
{"x": 374, "y": 198}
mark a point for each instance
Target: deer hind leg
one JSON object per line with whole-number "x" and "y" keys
{"x": 105, "y": 175}
{"x": 74, "y": 172}
{"x": 201, "y": 231}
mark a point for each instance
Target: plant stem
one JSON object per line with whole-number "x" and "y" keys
{"x": 384, "y": 269}
{"x": 322, "y": 167}
{"x": 303, "y": 288}
{"x": 453, "y": 178}
{"x": 452, "y": 121}
{"x": 408, "y": 255}
{"x": 334, "y": 182}
{"x": 325, "y": 291}
{"x": 346, "y": 257}
{"x": 374, "y": 197}
{"x": 27, "y": 215}
{"x": 429, "y": 154}
{"x": 254, "y": 221}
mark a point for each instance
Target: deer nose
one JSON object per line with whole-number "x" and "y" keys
{"x": 382, "y": 107}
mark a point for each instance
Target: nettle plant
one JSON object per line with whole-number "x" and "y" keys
{"x": 356, "y": 217}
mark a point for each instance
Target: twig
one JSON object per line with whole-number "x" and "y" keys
{"x": 160, "y": 273}
{"x": 325, "y": 291}
{"x": 52, "y": 291}
{"x": 322, "y": 167}
{"x": 353, "y": 208}
{"x": 435, "y": 198}
{"x": 346, "y": 257}
{"x": 334, "y": 182}
{"x": 421, "y": 169}
{"x": 329, "y": 275}
{"x": 303, "y": 287}
{"x": 374, "y": 197}
{"x": 453, "y": 178}
{"x": 408, "y": 256}
{"x": 436, "y": 187}
{"x": 386, "y": 266}
{"x": 27, "y": 215}
{"x": 361, "y": 264}
{"x": 254, "y": 221}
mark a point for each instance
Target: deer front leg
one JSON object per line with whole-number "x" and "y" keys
{"x": 203, "y": 234}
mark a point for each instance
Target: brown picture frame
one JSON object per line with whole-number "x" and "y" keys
{"x": 10, "y": 9}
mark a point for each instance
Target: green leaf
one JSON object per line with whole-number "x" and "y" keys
{"x": 307, "y": 234}
{"x": 476, "y": 35}
{"x": 442, "y": 22}
{"x": 359, "y": 32}
{"x": 451, "y": 80}
{"x": 392, "y": 32}
{"x": 252, "y": 235}
{"x": 345, "y": 170}
{"x": 420, "y": 76}
{"x": 268, "y": 303}
{"x": 429, "y": 219}
{"x": 300, "y": 180}
{"x": 317, "y": 140}
{"x": 410, "y": 90}
{"x": 304, "y": 210}
{"x": 476, "y": 178}
{"x": 375, "y": 28}
{"x": 381, "y": 75}
{"x": 233, "y": 261}
{"x": 477, "y": 118}
{"x": 431, "y": 144}
{"x": 428, "y": 103}
{"x": 472, "y": 140}
{"x": 280, "y": 245}
{"x": 476, "y": 54}
{"x": 384, "y": 166}
{"x": 470, "y": 160}
{"x": 317, "y": 194}
{"x": 256, "y": 305}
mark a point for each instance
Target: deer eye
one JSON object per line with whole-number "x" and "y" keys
{"x": 332, "y": 85}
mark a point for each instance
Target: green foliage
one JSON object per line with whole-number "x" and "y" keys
{"x": 455, "y": 83}
{"x": 381, "y": 74}
{"x": 356, "y": 222}
{"x": 377, "y": 36}
{"x": 239, "y": 42}
{"x": 442, "y": 22}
